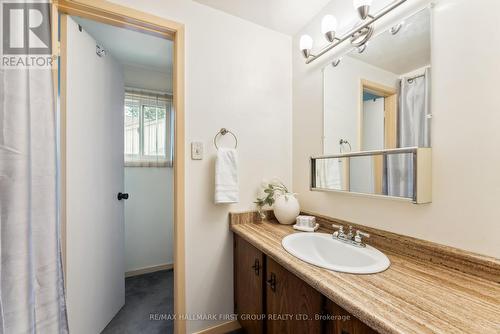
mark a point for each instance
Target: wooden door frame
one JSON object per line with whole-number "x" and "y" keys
{"x": 120, "y": 16}
{"x": 390, "y": 111}
{"x": 390, "y": 95}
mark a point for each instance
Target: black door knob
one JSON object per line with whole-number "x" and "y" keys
{"x": 122, "y": 196}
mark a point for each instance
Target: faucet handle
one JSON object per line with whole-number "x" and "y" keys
{"x": 340, "y": 229}
{"x": 360, "y": 235}
{"x": 350, "y": 235}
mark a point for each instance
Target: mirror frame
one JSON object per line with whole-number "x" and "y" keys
{"x": 422, "y": 176}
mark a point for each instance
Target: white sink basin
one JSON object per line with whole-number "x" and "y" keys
{"x": 323, "y": 251}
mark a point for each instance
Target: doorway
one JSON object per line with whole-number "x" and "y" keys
{"x": 387, "y": 99}
{"x": 377, "y": 129}
{"x": 102, "y": 138}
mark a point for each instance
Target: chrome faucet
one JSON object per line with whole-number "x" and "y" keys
{"x": 350, "y": 237}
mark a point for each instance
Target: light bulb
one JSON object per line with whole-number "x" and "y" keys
{"x": 328, "y": 27}
{"x": 329, "y": 23}
{"x": 306, "y": 43}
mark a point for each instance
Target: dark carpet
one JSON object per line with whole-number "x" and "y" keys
{"x": 149, "y": 305}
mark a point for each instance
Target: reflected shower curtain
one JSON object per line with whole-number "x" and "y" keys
{"x": 413, "y": 130}
{"x": 31, "y": 279}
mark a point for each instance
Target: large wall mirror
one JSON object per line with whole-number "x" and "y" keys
{"x": 377, "y": 98}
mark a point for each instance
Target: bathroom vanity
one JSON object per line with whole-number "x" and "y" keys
{"x": 271, "y": 299}
{"x": 428, "y": 288}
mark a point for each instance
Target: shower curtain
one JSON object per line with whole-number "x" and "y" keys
{"x": 31, "y": 279}
{"x": 413, "y": 130}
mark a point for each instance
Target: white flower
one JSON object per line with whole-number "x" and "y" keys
{"x": 276, "y": 182}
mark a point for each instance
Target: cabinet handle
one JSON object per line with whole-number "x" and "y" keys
{"x": 256, "y": 267}
{"x": 272, "y": 282}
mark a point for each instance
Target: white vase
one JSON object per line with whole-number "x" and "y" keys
{"x": 286, "y": 209}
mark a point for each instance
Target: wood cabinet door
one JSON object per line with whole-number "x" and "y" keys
{"x": 248, "y": 286}
{"x": 342, "y": 322}
{"x": 292, "y": 305}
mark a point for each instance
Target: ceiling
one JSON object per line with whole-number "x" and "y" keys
{"x": 404, "y": 52}
{"x": 131, "y": 47}
{"x": 286, "y": 16}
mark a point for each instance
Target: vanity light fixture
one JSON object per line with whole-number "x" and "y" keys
{"x": 358, "y": 36}
{"x": 363, "y": 7}
{"x": 362, "y": 36}
{"x": 328, "y": 27}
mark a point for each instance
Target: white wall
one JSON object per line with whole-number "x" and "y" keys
{"x": 238, "y": 75}
{"x": 466, "y": 179}
{"x": 148, "y": 217}
{"x": 373, "y": 124}
{"x": 149, "y": 213}
{"x": 137, "y": 76}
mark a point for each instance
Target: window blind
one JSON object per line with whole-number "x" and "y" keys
{"x": 148, "y": 129}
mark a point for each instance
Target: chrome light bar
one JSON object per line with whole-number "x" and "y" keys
{"x": 366, "y": 28}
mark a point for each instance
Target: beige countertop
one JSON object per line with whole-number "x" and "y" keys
{"x": 412, "y": 296}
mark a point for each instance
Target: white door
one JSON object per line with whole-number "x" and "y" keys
{"x": 94, "y": 151}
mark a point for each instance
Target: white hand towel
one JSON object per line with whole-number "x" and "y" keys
{"x": 226, "y": 176}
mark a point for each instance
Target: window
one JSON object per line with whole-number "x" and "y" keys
{"x": 148, "y": 129}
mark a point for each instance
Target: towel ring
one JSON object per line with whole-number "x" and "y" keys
{"x": 223, "y": 132}
{"x": 342, "y": 142}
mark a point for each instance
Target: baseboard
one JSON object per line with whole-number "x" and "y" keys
{"x": 222, "y": 328}
{"x": 148, "y": 270}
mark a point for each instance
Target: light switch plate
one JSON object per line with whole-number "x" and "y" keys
{"x": 196, "y": 150}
